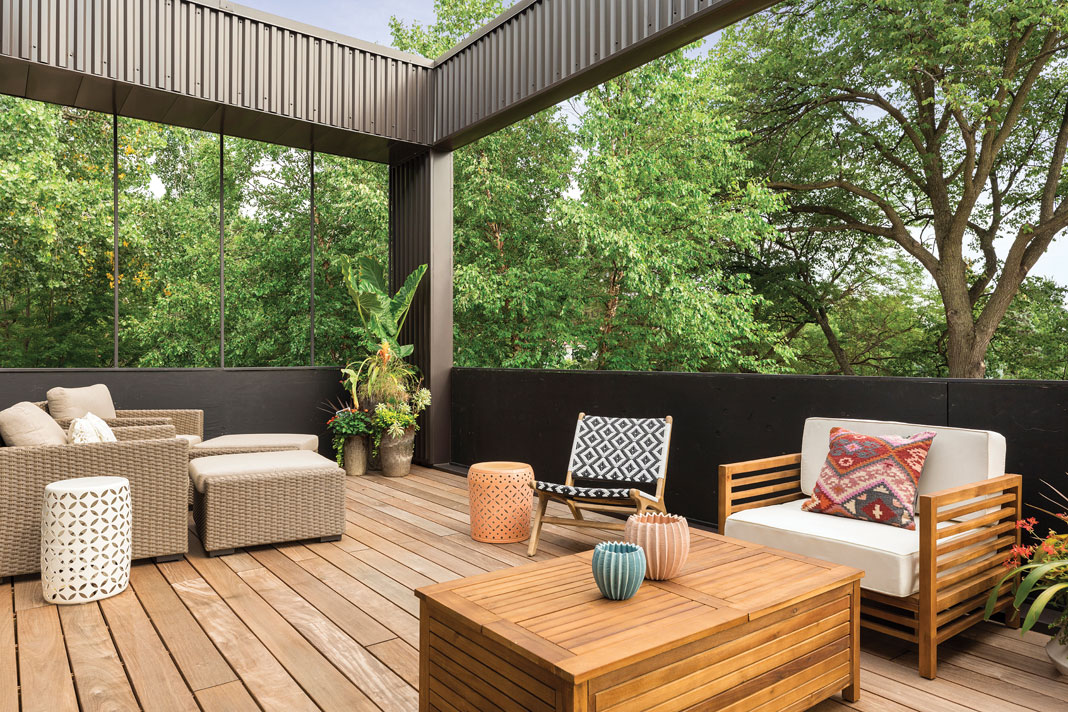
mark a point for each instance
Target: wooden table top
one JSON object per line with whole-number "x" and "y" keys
{"x": 552, "y": 613}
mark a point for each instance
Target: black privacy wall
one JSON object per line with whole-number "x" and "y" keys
{"x": 234, "y": 400}
{"x": 530, "y": 416}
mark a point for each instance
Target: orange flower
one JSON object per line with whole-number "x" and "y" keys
{"x": 385, "y": 353}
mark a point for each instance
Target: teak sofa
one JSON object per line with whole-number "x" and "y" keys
{"x": 923, "y": 585}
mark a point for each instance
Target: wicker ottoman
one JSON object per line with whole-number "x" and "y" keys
{"x": 266, "y": 498}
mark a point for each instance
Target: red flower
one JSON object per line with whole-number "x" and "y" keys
{"x": 1024, "y": 552}
{"x": 1028, "y": 524}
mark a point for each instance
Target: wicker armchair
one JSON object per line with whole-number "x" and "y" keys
{"x": 184, "y": 421}
{"x": 150, "y": 457}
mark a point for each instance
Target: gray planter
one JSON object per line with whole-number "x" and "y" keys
{"x": 397, "y": 453}
{"x": 355, "y": 455}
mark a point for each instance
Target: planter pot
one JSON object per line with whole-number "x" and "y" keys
{"x": 618, "y": 569}
{"x": 354, "y": 455}
{"x": 397, "y": 454}
{"x": 665, "y": 538}
{"x": 1058, "y": 654}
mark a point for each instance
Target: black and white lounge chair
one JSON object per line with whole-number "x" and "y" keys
{"x": 618, "y": 460}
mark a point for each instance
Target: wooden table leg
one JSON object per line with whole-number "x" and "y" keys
{"x": 852, "y": 692}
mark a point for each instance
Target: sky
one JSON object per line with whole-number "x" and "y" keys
{"x": 369, "y": 20}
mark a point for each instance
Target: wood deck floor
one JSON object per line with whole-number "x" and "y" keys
{"x": 334, "y": 626}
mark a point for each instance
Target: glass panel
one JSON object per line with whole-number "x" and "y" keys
{"x": 56, "y": 299}
{"x": 169, "y": 254}
{"x": 267, "y": 191}
{"x": 352, "y": 218}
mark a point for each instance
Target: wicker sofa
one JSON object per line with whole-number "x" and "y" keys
{"x": 186, "y": 422}
{"x": 149, "y": 456}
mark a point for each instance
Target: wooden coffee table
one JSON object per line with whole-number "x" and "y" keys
{"x": 742, "y": 627}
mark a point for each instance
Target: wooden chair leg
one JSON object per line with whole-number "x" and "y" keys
{"x": 535, "y": 532}
{"x": 575, "y": 511}
{"x": 1011, "y": 617}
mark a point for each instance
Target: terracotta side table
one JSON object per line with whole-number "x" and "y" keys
{"x": 500, "y": 501}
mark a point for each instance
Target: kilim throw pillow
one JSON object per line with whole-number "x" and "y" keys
{"x": 871, "y": 477}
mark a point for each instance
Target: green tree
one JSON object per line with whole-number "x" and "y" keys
{"x": 940, "y": 127}
{"x": 515, "y": 264}
{"x": 664, "y": 200}
{"x": 55, "y": 236}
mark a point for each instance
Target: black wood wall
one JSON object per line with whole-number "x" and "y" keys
{"x": 530, "y": 416}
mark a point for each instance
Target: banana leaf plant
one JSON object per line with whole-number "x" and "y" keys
{"x": 383, "y": 370}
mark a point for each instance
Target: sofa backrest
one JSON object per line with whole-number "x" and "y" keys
{"x": 958, "y": 456}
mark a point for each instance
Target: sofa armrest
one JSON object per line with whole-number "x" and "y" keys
{"x": 195, "y": 452}
{"x": 966, "y": 535}
{"x": 758, "y": 483}
{"x": 145, "y": 432}
{"x": 186, "y": 421}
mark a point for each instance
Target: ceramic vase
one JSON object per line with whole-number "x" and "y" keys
{"x": 354, "y": 455}
{"x": 397, "y": 453}
{"x": 665, "y": 538}
{"x": 1058, "y": 654}
{"x": 618, "y": 569}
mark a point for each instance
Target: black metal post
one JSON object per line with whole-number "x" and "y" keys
{"x": 311, "y": 266}
{"x": 115, "y": 237}
{"x": 222, "y": 258}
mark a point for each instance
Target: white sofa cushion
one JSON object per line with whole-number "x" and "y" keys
{"x": 958, "y": 456}
{"x": 298, "y": 441}
{"x": 202, "y": 469}
{"x": 889, "y": 556}
{"x": 64, "y": 403}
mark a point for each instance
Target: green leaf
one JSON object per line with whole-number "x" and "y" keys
{"x": 1040, "y": 605}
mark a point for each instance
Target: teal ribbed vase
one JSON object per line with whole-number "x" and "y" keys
{"x": 618, "y": 569}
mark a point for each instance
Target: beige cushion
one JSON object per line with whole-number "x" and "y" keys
{"x": 251, "y": 440}
{"x": 89, "y": 429}
{"x": 64, "y": 403}
{"x": 25, "y": 424}
{"x": 191, "y": 439}
{"x": 889, "y": 556}
{"x": 202, "y": 469}
{"x": 958, "y": 456}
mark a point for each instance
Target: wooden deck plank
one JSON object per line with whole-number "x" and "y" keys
{"x": 9, "y": 676}
{"x": 366, "y": 671}
{"x": 197, "y": 658}
{"x": 323, "y": 616}
{"x": 323, "y": 682}
{"x": 264, "y": 676}
{"x": 43, "y": 670}
{"x": 362, "y": 627}
{"x": 231, "y": 697}
{"x": 99, "y": 677}
{"x": 156, "y": 680}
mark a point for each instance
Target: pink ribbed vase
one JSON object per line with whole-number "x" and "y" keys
{"x": 665, "y": 539}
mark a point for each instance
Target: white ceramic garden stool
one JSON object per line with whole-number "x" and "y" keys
{"x": 85, "y": 539}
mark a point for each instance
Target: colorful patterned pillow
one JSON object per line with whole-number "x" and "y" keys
{"x": 871, "y": 477}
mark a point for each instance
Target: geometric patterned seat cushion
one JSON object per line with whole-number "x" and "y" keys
{"x": 587, "y": 492}
{"x": 871, "y": 477}
{"x": 619, "y": 449}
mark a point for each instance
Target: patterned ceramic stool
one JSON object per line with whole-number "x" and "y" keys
{"x": 85, "y": 539}
{"x": 500, "y": 501}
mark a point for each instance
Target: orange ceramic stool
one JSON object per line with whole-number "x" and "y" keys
{"x": 500, "y": 501}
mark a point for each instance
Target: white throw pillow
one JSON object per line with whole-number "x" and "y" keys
{"x": 89, "y": 429}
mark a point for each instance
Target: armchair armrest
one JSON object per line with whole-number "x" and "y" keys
{"x": 186, "y": 421}
{"x": 120, "y": 422}
{"x": 966, "y": 535}
{"x": 758, "y": 483}
{"x": 145, "y": 432}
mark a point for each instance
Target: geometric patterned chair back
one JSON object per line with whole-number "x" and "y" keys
{"x": 620, "y": 449}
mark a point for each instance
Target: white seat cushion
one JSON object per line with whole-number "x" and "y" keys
{"x": 202, "y": 469}
{"x": 297, "y": 441}
{"x": 958, "y": 456}
{"x": 191, "y": 439}
{"x": 65, "y": 403}
{"x": 889, "y": 556}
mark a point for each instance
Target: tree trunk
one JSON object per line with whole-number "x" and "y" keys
{"x": 965, "y": 350}
{"x": 832, "y": 343}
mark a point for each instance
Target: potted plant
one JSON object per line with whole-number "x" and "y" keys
{"x": 350, "y": 429}
{"x": 1044, "y": 568}
{"x": 394, "y": 425}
